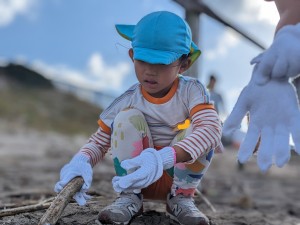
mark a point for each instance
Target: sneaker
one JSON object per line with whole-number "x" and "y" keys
{"x": 183, "y": 210}
{"x": 123, "y": 209}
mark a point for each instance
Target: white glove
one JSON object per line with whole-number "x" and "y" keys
{"x": 148, "y": 166}
{"x": 78, "y": 166}
{"x": 274, "y": 114}
{"x": 282, "y": 58}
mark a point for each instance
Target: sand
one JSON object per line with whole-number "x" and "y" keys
{"x": 30, "y": 162}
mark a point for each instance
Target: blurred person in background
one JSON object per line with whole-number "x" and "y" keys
{"x": 235, "y": 140}
{"x": 215, "y": 96}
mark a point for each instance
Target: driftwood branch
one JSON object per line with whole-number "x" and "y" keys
{"x": 207, "y": 202}
{"x": 57, "y": 207}
{"x": 17, "y": 205}
{"x": 28, "y": 208}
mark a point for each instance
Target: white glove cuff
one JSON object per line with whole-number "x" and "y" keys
{"x": 80, "y": 157}
{"x": 292, "y": 29}
{"x": 168, "y": 156}
{"x": 80, "y": 166}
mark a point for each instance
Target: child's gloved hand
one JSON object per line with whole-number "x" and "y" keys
{"x": 78, "y": 166}
{"x": 148, "y": 167}
{"x": 274, "y": 114}
{"x": 282, "y": 58}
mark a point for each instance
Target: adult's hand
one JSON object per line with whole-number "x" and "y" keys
{"x": 281, "y": 59}
{"x": 274, "y": 115}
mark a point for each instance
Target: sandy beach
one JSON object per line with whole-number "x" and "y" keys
{"x": 30, "y": 162}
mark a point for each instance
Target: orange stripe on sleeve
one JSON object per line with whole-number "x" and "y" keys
{"x": 200, "y": 107}
{"x": 104, "y": 127}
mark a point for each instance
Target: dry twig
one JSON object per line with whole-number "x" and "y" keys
{"x": 207, "y": 202}
{"x": 28, "y": 208}
{"x": 57, "y": 207}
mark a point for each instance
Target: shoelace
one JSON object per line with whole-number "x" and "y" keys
{"x": 122, "y": 200}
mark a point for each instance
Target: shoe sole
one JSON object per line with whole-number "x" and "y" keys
{"x": 172, "y": 217}
{"x": 108, "y": 221}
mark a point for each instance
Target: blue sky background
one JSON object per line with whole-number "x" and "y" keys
{"x": 75, "y": 40}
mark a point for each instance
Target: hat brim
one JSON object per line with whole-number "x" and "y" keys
{"x": 126, "y": 31}
{"x": 155, "y": 56}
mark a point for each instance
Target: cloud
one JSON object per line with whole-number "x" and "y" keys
{"x": 9, "y": 9}
{"x": 257, "y": 18}
{"x": 265, "y": 12}
{"x": 246, "y": 11}
{"x": 110, "y": 76}
{"x": 98, "y": 75}
{"x": 223, "y": 45}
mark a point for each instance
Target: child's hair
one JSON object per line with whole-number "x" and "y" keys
{"x": 184, "y": 57}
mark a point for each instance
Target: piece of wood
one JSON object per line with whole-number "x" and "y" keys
{"x": 29, "y": 203}
{"x": 23, "y": 209}
{"x": 58, "y": 205}
{"x": 207, "y": 202}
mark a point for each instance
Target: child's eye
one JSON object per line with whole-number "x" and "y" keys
{"x": 139, "y": 61}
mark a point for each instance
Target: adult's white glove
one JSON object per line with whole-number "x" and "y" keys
{"x": 147, "y": 168}
{"x": 282, "y": 58}
{"x": 78, "y": 166}
{"x": 274, "y": 114}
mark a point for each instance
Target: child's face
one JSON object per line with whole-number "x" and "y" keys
{"x": 157, "y": 79}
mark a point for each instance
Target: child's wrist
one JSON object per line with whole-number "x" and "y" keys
{"x": 81, "y": 157}
{"x": 168, "y": 155}
{"x": 174, "y": 155}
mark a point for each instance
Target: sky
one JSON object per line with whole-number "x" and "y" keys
{"x": 75, "y": 40}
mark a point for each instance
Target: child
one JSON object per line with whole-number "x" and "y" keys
{"x": 156, "y": 154}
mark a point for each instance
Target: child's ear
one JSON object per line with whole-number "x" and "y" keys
{"x": 130, "y": 53}
{"x": 185, "y": 65}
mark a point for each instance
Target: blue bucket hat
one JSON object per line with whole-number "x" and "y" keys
{"x": 160, "y": 38}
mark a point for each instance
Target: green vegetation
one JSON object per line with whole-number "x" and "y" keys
{"x": 48, "y": 110}
{"x": 28, "y": 99}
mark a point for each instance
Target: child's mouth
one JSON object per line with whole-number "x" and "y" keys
{"x": 151, "y": 81}
{"x": 151, "y": 84}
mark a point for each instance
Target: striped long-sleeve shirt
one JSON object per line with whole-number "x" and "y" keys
{"x": 187, "y": 99}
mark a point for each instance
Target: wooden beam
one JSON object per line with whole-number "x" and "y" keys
{"x": 197, "y": 6}
{"x": 191, "y": 5}
{"x": 192, "y": 19}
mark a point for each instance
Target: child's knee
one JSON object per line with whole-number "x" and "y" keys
{"x": 131, "y": 121}
{"x": 127, "y": 115}
{"x": 130, "y": 134}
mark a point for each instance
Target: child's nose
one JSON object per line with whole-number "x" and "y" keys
{"x": 152, "y": 69}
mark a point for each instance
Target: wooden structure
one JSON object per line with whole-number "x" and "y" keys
{"x": 193, "y": 10}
